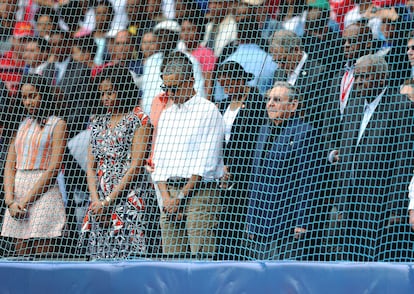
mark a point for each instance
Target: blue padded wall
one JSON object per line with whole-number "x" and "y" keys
{"x": 203, "y": 277}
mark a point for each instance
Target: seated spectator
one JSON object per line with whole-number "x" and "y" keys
{"x": 243, "y": 113}
{"x": 281, "y": 184}
{"x": 12, "y": 62}
{"x": 36, "y": 54}
{"x": 251, "y": 55}
{"x": 322, "y": 41}
{"x": 7, "y": 24}
{"x": 47, "y": 21}
{"x": 76, "y": 10}
{"x": 396, "y": 25}
{"x": 143, "y": 16}
{"x": 192, "y": 31}
{"x": 36, "y": 215}
{"x": 168, "y": 34}
{"x": 410, "y": 52}
{"x": 252, "y": 19}
{"x": 104, "y": 14}
{"x": 292, "y": 16}
{"x": 122, "y": 52}
{"x": 407, "y": 89}
{"x": 221, "y": 29}
{"x": 149, "y": 45}
{"x": 84, "y": 51}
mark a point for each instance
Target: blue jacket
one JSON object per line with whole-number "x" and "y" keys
{"x": 281, "y": 182}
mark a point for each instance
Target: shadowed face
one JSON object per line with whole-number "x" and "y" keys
{"x": 31, "y": 98}
{"x": 108, "y": 94}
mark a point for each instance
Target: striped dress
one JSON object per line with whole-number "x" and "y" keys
{"x": 46, "y": 216}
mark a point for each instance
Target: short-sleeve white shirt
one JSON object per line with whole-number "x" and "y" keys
{"x": 189, "y": 141}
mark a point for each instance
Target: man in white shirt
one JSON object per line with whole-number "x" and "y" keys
{"x": 187, "y": 162}
{"x": 374, "y": 165}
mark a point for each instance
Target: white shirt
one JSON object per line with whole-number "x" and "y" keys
{"x": 368, "y": 112}
{"x": 61, "y": 68}
{"x": 189, "y": 141}
{"x": 38, "y": 70}
{"x": 346, "y": 87}
{"x": 411, "y": 194}
{"x": 354, "y": 15}
{"x": 226, "y": 32}
{"x": 229, "y": 117}
{"x": 295, "y": 74}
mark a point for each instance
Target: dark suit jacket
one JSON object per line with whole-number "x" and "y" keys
{"x": 79, "y": 101}
{"x": 281, "y": 187}
{"x": 246, "y": 126}
{"x": 310, "y": 85}
{"x": 375, "y": 173}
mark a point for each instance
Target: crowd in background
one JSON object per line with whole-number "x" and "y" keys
{"x": 286, "y": 163}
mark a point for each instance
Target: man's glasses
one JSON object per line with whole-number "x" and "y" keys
{"x": 171, "y": 88}
{"x": 410, "y": 48}
{"x": 351, "y": 41}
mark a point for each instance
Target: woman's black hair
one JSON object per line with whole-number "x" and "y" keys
{"x": 124, "y": 85}
{"x": 46, "y": 90}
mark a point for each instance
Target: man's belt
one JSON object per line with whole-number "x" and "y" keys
{"x": 177, "y": 182}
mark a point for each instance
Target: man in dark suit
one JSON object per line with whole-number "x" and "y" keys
{"x": 375, "y": 164}
{"x": 282, "y": 183}
{"x": 299, "y": 69}
{"x": 73, "y": 81}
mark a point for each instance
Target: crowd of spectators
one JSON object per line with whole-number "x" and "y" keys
{"x": 218, "y": 129}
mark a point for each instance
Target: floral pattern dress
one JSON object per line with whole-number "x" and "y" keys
{"x": 122, "y": 235}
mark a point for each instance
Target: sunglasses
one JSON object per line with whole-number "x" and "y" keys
{"x": 171, "y": 88}
{"x": 351, "y": 41}
{"x": 410, "y": 48}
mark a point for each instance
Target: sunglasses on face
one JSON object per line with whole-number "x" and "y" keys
{"x": 410, "y": 48}
{"x": 171, "y": 88}
{"x": 351, "y": 41}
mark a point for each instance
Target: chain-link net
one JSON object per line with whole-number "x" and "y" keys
{"x": 212, "y": 130}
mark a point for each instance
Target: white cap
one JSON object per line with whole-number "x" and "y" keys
{"x": 169, "y": 25}
{"x": 253, "y": 2}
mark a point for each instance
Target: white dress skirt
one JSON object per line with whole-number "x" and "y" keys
{"x": 46, "y": 216}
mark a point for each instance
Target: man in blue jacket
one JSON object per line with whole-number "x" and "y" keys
{"x": 281, "y": 183}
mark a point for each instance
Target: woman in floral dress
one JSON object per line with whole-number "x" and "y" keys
{"x": 115, "y": 225}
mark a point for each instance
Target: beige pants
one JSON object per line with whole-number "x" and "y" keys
{"x": 198, "y": 231}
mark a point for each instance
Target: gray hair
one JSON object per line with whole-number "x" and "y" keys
{"x": 376, "y": 62}
{"x": 286, "y": 39}
{"x": 292, "y": 93}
